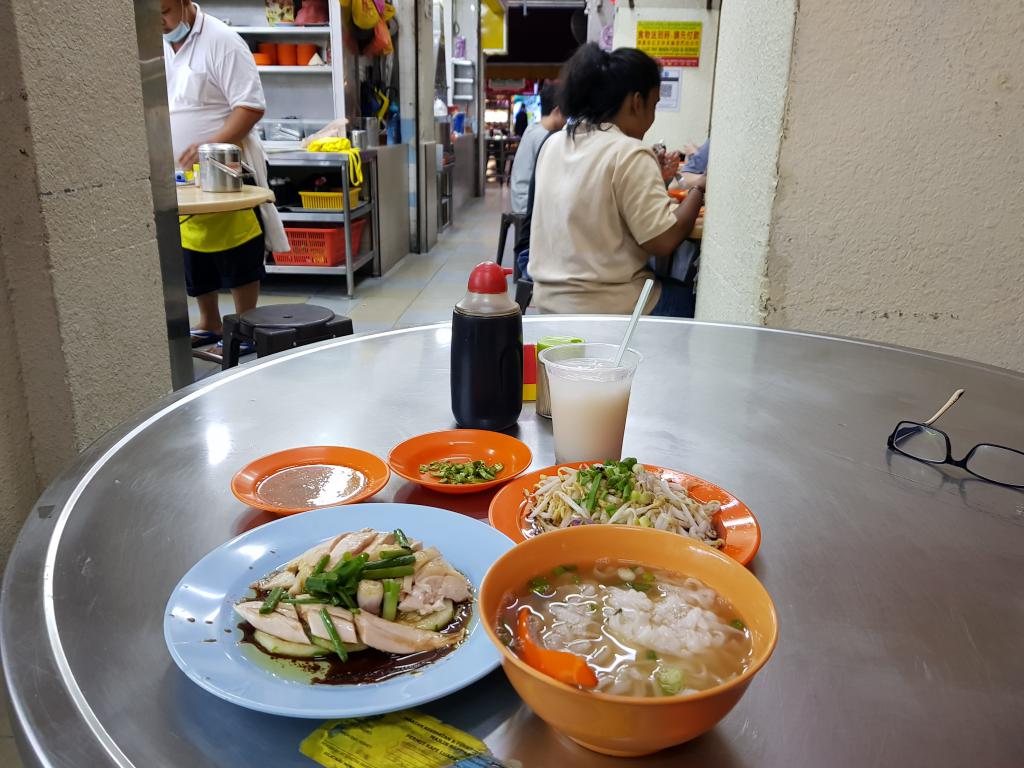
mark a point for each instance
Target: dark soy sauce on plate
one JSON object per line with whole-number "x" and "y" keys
{"x": 369, "y": 666}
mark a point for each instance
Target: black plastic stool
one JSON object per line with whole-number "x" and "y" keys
{"x": 508, "y": 219}
{"x": 280, "y": 327}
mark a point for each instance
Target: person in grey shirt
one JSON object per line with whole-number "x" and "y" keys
{"x": 526, "y": 156}
{"x": 695, "y": 166}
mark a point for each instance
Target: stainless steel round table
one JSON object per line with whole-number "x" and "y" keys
{"x": 898, "y": 585}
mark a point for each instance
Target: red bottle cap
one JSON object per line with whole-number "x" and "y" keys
{"x": 488, "y": 277}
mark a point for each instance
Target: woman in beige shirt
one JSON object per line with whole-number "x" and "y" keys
{"x": 600, "y": 206}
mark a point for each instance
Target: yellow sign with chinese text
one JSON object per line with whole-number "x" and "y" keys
{"x": 673, "y": 43}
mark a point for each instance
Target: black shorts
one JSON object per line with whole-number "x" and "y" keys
{"x": 235, "y": 267}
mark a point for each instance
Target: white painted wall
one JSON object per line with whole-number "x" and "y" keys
{"x": 899, "y": 209}
{"x": 750, "y": 91}
{"x": 691, "y": 122}
{"x": 900, "y": 213}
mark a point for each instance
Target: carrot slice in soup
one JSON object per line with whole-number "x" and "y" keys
{"x": 564, "y": 667}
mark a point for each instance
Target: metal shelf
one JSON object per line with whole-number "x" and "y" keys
{"x": 459, "y": 97}
{"x": 287, "y": 269}
{"x": 463, "y": 80}
{"x": 302, "y": 159}
{"x": 300, "y": 31}
{"x": 290, "y": 213}
{"x": 278, "y": 70}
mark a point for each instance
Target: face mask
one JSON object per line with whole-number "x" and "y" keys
{"x": 181, "y": 31}
{"x": 178, "y": 34}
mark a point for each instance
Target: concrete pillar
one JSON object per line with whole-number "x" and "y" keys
{"x": 754, "y": 44}
{"x": 83, "y": 337}
{"x": 887, "y": 202}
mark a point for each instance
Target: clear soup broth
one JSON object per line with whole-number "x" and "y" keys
{"x": 643, "y": 631}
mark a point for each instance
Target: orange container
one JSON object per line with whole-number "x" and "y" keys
{"x": 269, "y": 50}
{"x": 287, "y": 54}
{"x": 627, "y": 726}
{"x": 262, "y": 59}
{"x": 306, "y": 51}
{"x": 319, "y": 247}
{"x": 246, "y": 483}
{"x": 459, "y": 445}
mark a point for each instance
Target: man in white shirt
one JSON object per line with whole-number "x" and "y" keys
{"x": 214, "y": 95}
{"x": 529, "y": 146}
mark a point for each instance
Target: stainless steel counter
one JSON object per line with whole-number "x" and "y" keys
{"x": 898, "y": 586}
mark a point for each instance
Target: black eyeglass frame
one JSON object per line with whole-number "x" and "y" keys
{"x": 961, "y": 463}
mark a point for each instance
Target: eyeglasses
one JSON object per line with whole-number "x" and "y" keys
{"x": 993, "y": 463}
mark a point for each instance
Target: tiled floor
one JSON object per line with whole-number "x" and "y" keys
{"x": 422, "y": 288}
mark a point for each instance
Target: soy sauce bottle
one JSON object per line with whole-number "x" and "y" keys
{"x": 487, "y": 353}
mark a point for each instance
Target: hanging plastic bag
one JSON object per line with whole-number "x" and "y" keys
{"x": 364, "y": 14}
{"x": 389, "y": 12}
{"x": 381, "y": 44}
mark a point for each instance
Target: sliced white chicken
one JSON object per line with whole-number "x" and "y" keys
{"x": 383, "y": 541}
{"x": 312, "y": 556}
{"x": 421, "y": 601}
{"x": 353, "y": 543}
{"x": 370, "y": 595}
{"x": 433, "y": 584}
{"x": 424, "y": 556}
{"x": 283, "y": 579}
{"x": 391, "y": 637}
{"x": 341, "y": 619}
{"x": 282, "y": 622}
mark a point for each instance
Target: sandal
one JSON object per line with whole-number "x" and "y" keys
{"x": 244, "y": 348}
{"x": 203, "y": 338}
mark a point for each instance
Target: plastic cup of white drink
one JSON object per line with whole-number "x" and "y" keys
{"x": 589, "y": 399}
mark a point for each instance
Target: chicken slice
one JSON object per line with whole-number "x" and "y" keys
{"x": 312, "y": 556}
{"x": 424, "y": 556}
{"x": 439, "y": 578}
{"x": 382, "y": 542}
{"x": 370, "y": 595}
{"x": 341, "y": 618}
{"x": 391, "y": 637}
{"x": 353, "y": 543}
{"x": 421, "y": 601}
{"x": 283, "y": 622}
{"x": 284, "y": 579}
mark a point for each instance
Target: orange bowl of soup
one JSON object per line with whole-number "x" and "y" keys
{"x": 624, "y": 707}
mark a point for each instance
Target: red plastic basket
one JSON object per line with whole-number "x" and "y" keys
{"x": 319, "y": 247}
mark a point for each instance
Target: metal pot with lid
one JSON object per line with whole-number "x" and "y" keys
{"x": 221, "y": 168}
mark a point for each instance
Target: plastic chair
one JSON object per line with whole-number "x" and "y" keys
{"x": 524, "y": 293}
{"x": 280, "y": 327}
{"x": 508, "y": 219}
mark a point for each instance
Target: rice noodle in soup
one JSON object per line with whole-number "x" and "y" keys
{"x": 644, "y": 632}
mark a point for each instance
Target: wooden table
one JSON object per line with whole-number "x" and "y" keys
{"x": 192, "y": 200}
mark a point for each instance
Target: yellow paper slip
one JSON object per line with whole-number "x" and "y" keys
{"x": 409, "y": 739}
